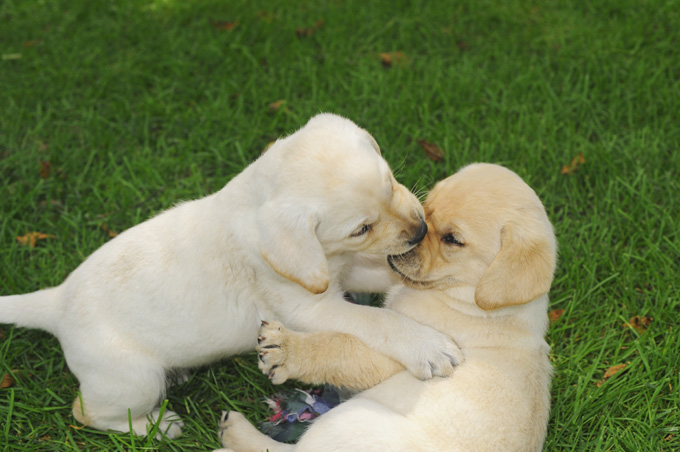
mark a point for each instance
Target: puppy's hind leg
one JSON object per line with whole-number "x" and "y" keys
{"x": 122, "y": 392}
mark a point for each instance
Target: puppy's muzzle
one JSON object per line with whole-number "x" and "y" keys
{"x": 420, "y": 234}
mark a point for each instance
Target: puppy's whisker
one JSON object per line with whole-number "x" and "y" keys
{"x": 419, "y": 188}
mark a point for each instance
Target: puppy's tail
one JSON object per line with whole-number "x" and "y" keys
{"x": 39, "y": 309}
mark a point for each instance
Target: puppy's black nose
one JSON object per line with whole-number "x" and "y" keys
{"x": 420, "y": 235}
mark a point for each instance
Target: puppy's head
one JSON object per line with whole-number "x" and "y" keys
{"x": 330, "y": 192}
{"x": 488, "y": 230}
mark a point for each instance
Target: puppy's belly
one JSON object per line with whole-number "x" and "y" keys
{"x": 175, "y": 326}
{"x": 180, "y": 306}
{"x": 488, "y": 392}
{"x": 206, "y": 338}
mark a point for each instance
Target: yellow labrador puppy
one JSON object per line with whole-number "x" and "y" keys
{"x": 192, "y": 284}
{"x": 481, "y": 276}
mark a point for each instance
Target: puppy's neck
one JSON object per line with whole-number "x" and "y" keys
{"x": 454, "y": 312}
{"x": 462, "y": 299}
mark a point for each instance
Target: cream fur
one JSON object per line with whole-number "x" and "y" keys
{"x": 191, "y": 285}
{"x": 487, "y": 291}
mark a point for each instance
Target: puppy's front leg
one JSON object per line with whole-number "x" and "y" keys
{"x": 369, "y": 273}
{"x": 321, "y": 357}
{"x": 424, "y": 351}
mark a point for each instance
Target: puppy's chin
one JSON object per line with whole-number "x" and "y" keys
{"x": 397, "y": 262}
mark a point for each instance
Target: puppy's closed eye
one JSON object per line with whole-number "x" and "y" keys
{"x": 362, "y": 230}
{"x": 451, "y": 239}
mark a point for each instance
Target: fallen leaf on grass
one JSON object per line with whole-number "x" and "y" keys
{"x": 32, "y": 237}
{"x": 639, "y": 323}
{"x": 462, "y": 45}
{"x": 224, "y": 25}
{"x": 276, "y": 105}
{"x": 45, "y": 168}
{"x": 7, "y": 381}
{"x": 111, "y": 233}
{"x": 555, "y": 315}
{"x": 266, "y": 148}
{"x": 613, "y": 370}
{"x": 307, "y": 32}
{"x": 42, "y": 146}
{"x": 266, "y": 16}
{"x": 576, "y": 162}
{"x": 31, "y": 43}
{"x": 11, "y": 56}
{"x": 431, "y": 150}
{"x": 388, "y": 59}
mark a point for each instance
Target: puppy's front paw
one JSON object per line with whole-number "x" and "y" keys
{"x": 448, "y": 358}
{"x": 436, "y": 356}
{"x": 272, "y": 349}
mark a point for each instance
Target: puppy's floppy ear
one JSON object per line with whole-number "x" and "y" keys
{"x": 521, "y": 271}
{"x": 374, "y": 144}
{"x": 289, "y": 244}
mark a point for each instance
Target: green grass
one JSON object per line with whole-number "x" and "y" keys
{"x": 140, "y": 104}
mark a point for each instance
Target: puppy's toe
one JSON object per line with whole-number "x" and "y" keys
{"x": 222, "y": 425}
{"x": 273, "y": 364}
{"x": 272, "y": 351}
{"x": 441, "y": 358}
{"x": 268, "y": 329}
{"x": 447, "y": 362}
{"x": 236, "y": 432}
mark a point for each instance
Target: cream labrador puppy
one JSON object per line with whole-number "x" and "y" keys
{"x": 481, "y": 276}
{"x": 192, "y": 284}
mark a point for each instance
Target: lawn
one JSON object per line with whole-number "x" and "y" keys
{"x": 113, "y": 111}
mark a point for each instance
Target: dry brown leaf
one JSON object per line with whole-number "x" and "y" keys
{"x": 307, "y": 32}
{"x": 45, "y": 168}
{"x": 224, "y": 25}
{"x": 7, "y": 381}
{"x": 31, "y": 43}
{"x": 266, "y": 16}
{"x": 389, "y": 59}
{"x": 42, "y": 146}
{"x": 555, "y": 315}
{"x": 111, "y": 233}
{"x": 613, "y": 370}
{"x": 639, "y": 323}
{"x": 276, "y": 105}
{"x": 32, "y": 237}
{"x": 266, "y": 148}
{"x": 576, "y": 162}
{"x": 432, "y": 150}
{"x": 462, "y": 45}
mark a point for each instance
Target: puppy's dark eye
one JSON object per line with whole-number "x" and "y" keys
{"x": 449, "y": 239}
{"x": 364, "y": 229}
